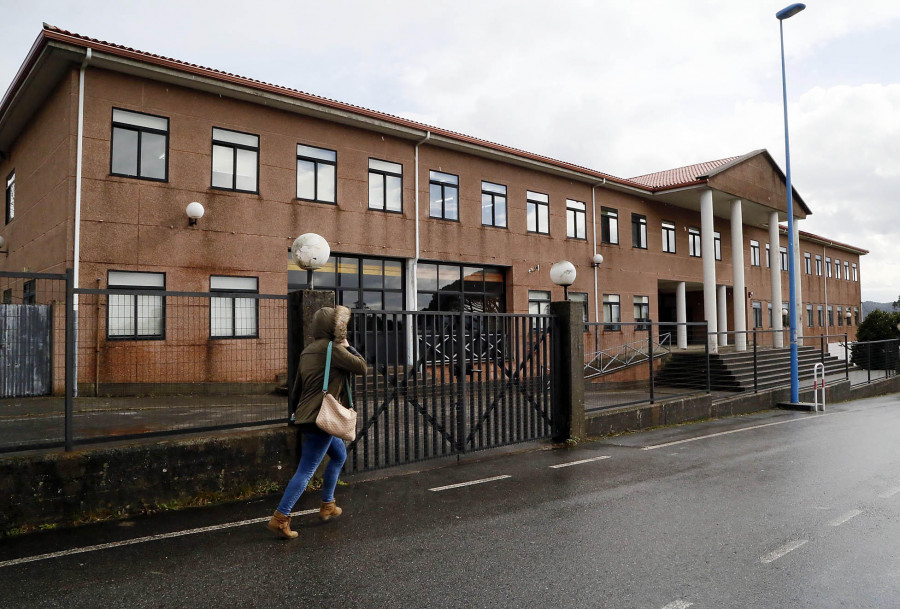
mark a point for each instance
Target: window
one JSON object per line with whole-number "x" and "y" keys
{"x": 768, "y": 259}
{"x": 612, "y": 314}
{"x": 493, "y": 204}
{"x": 235, "y": 160}
{"x": 449, "y": 287}
{"x": 846, "y": 270}
{"x": 609, "y": 225}
{"x": 782, "y": 251}
{"x": 29, "y": 292}
{"x": 754, "y": 253}
{"x": 639, "y": 231}
{"x": 856, "y": 315}
{"x": 821, "y": 316}
{"x": 830, "y": 316}
{"x": 840, "y": 316}
{"x": 385, "y": 186}
{"x": 444, "y": 195}
{"x": 581, "y": 297}
{"x": 135, "y": 315}
{"x": 818, "y": 265}
{"x": 807, "y": 263}
{"x": 837, "y": 268}
{"x": 641, "y": 310}
{"x": 538, "y": 302}
{"x": 694, "y": 242}
{"x": 537, "y": 209}
{"x": 809, "y": 316}
{"x": 575, "y": 219}
{"x": 358, "y": 283}
{"x": 230, "y": 316}
{"x": 11, "y": 196}
{"x": 828, "y": 267}
{"x": 7, "y": 296}
{"x": 855, "y": 272}
{"x": 316, "y": 174}
{"x": 140, "y": 145}
{"x": 668, "y": 237}
{"x": 717, "y": 245}
{"x": 771, "y": 320}
{"x": 757, "y": 314}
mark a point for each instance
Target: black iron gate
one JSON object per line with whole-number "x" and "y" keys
{"x": 442, "y": 384}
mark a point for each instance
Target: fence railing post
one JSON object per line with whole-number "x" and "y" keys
{"x": 755, "y": 367}
{"x": 708, "y": 374}
{"x": 869, "y": 362}
{"x": 70, "y": 357}
{"x": 846, "y": 357}
{"x": 650, "y": 355}
{"x": 461, "y": 343}
{"x": 822, "y": 349}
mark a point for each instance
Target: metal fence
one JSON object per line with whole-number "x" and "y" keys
{"x": 873, "y": 360}
{"x": 442, "y": 384}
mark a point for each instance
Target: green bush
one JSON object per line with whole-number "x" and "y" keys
{"x": 877, "y": 326}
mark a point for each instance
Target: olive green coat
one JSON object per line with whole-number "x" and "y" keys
{"x": 329, "y": 326}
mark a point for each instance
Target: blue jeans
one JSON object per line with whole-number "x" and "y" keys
{"x": 316, "y": 444}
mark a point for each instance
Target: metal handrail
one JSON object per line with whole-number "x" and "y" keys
{"x": 625, "y": 355}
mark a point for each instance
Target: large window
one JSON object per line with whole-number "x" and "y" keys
{"x": 235, "y": 160}
{"x": 837, "y": 268}
{"x": 537, "y": 210}
{"x": 612, "y": 312}
{"x": 717, "y": 245}
{"x": 846, "y": 270}
{"x": 757, "y": 314}
{"x": 11, "y": 196}
{"x": 135, "y": 316}
{"x": 493, "y": 204}
{"x": 694, "y": 242}
{"x": 818, "y": 265}
{"x": 385, "y": 186}
{"x": 809, "y": 315}
{"x": 782, "y": 251}
{"x": 754, "y": 253}
{"x": 642, "y": 310}
{"x": 830, "y": 316}
{"x": 807, "y": 263}
{"x": 450, "y": 287}
{"x": 855, "y": 272}
{"x": 316, "y": 174}
{"x": 821, "y": 315}
{"x": 232, "y": 316}
{"x": 575, "y": 220}
{"x": 668, "y": 237}
{"x": 639, "y": 231}
{"x": 828, "y": 267}
{"x": 538, "y": 302}
{"x": 140, "y": 145}
{"x": 609, "y": 225}
{"x": 358, "y": 283}
{"x": 444, "y": 195}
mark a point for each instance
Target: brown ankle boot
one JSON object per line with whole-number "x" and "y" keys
{"x": 281, "y": 526}
{"x": 329, "y": 510}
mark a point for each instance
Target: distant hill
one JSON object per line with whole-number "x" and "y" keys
{"x": 868, "y": 306}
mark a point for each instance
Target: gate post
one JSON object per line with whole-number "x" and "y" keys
{"x": 302, "y": 305}
{"x": 567, "y": 370}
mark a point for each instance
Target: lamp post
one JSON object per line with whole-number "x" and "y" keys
{"x": 310, "y": 251}
{"x": 787, "y": 13}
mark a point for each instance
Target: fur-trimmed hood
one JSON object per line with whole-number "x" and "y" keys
{"x": 331, "y": 323}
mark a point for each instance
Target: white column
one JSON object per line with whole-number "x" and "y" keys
{"x": 722, "y": 303}
{"x": 798, "y": 273}
{"x": 707, "y": 249}
{"x": 737, "y": 261}
{"x": 681, "y": 314}
{"x": 775, "y": 264}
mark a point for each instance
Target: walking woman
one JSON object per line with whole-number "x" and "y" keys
{"x": 329, "y": 327}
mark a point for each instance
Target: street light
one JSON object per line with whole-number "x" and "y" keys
{"x": 787, "y": 13}
{"x": 563, "y": 273}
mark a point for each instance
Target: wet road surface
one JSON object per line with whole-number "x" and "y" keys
{"x": 778, "y": 509}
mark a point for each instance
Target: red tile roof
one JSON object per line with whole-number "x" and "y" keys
{"x": 682, "y": 176}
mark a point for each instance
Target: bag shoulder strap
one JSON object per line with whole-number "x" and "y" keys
{"x": 327, "y": 368}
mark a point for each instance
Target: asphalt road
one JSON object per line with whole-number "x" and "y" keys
{"x": 779, "y": 509}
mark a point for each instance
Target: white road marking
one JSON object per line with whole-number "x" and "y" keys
{"x": 785, "y": 549}
{"x": 890, "y": 493}
{"x": 678, "y": 605}
{"x": 842, "y": 519}
{"x": 470, "y": 483}
{"x": 131, "y": 542}
{"x": 725, "y": 433}
{"x": 579, "y": 462}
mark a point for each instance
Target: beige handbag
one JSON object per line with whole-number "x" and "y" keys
{"x": 333, "y": 417}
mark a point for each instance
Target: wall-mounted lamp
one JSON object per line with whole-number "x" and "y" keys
{"x": 563, "y": 273}
{"x": 596, "y": 260}
{"x": 2, "y": 245}
{"x": 194, "y": 212}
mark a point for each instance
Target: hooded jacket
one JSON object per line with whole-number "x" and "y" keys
{"x": 329, "y": 326}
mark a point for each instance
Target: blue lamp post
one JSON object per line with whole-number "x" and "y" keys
{"x": 787, "y": 13}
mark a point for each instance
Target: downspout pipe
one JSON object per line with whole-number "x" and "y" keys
{"x": 412, "y": 283}
{"x": 594, "y": 237}
{"x": 78, "y": 167}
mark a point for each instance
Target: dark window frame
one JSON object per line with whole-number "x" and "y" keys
{"x": 607, "y": 214}
{"x": 357, "y": 291}
{"x": 638, "y": 231}
{"x": 695, "y": 249}
{"x": 29, "y": 292}
{"x": 384, "y": 190}
{"x": 574, "y": 213}
{"x": 140, "y": 131}
{"x": 717, "y": 246}
{"x": 754, "y": 253}
{"x": 807, "y": 262}
{"x": 123, "y": 288}
{"x": 783, "y": 258}
{"x": 233, "y": 335}
{"x": 612, "y": 325}
{"x": 462, "y": 293}
{"x": 10, "y": 196}
{"x": 529, "y": 202}
{"x": 494, "y": 196}
{"x": 584, "y": 317}
{"x": 668, "y": 230}
{"x": 235, "y": 147}
{"x": 443, "y": 186}
{"x": 316, "y": 162}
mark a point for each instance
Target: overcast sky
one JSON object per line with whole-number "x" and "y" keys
{"x": 622, "y": 87}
